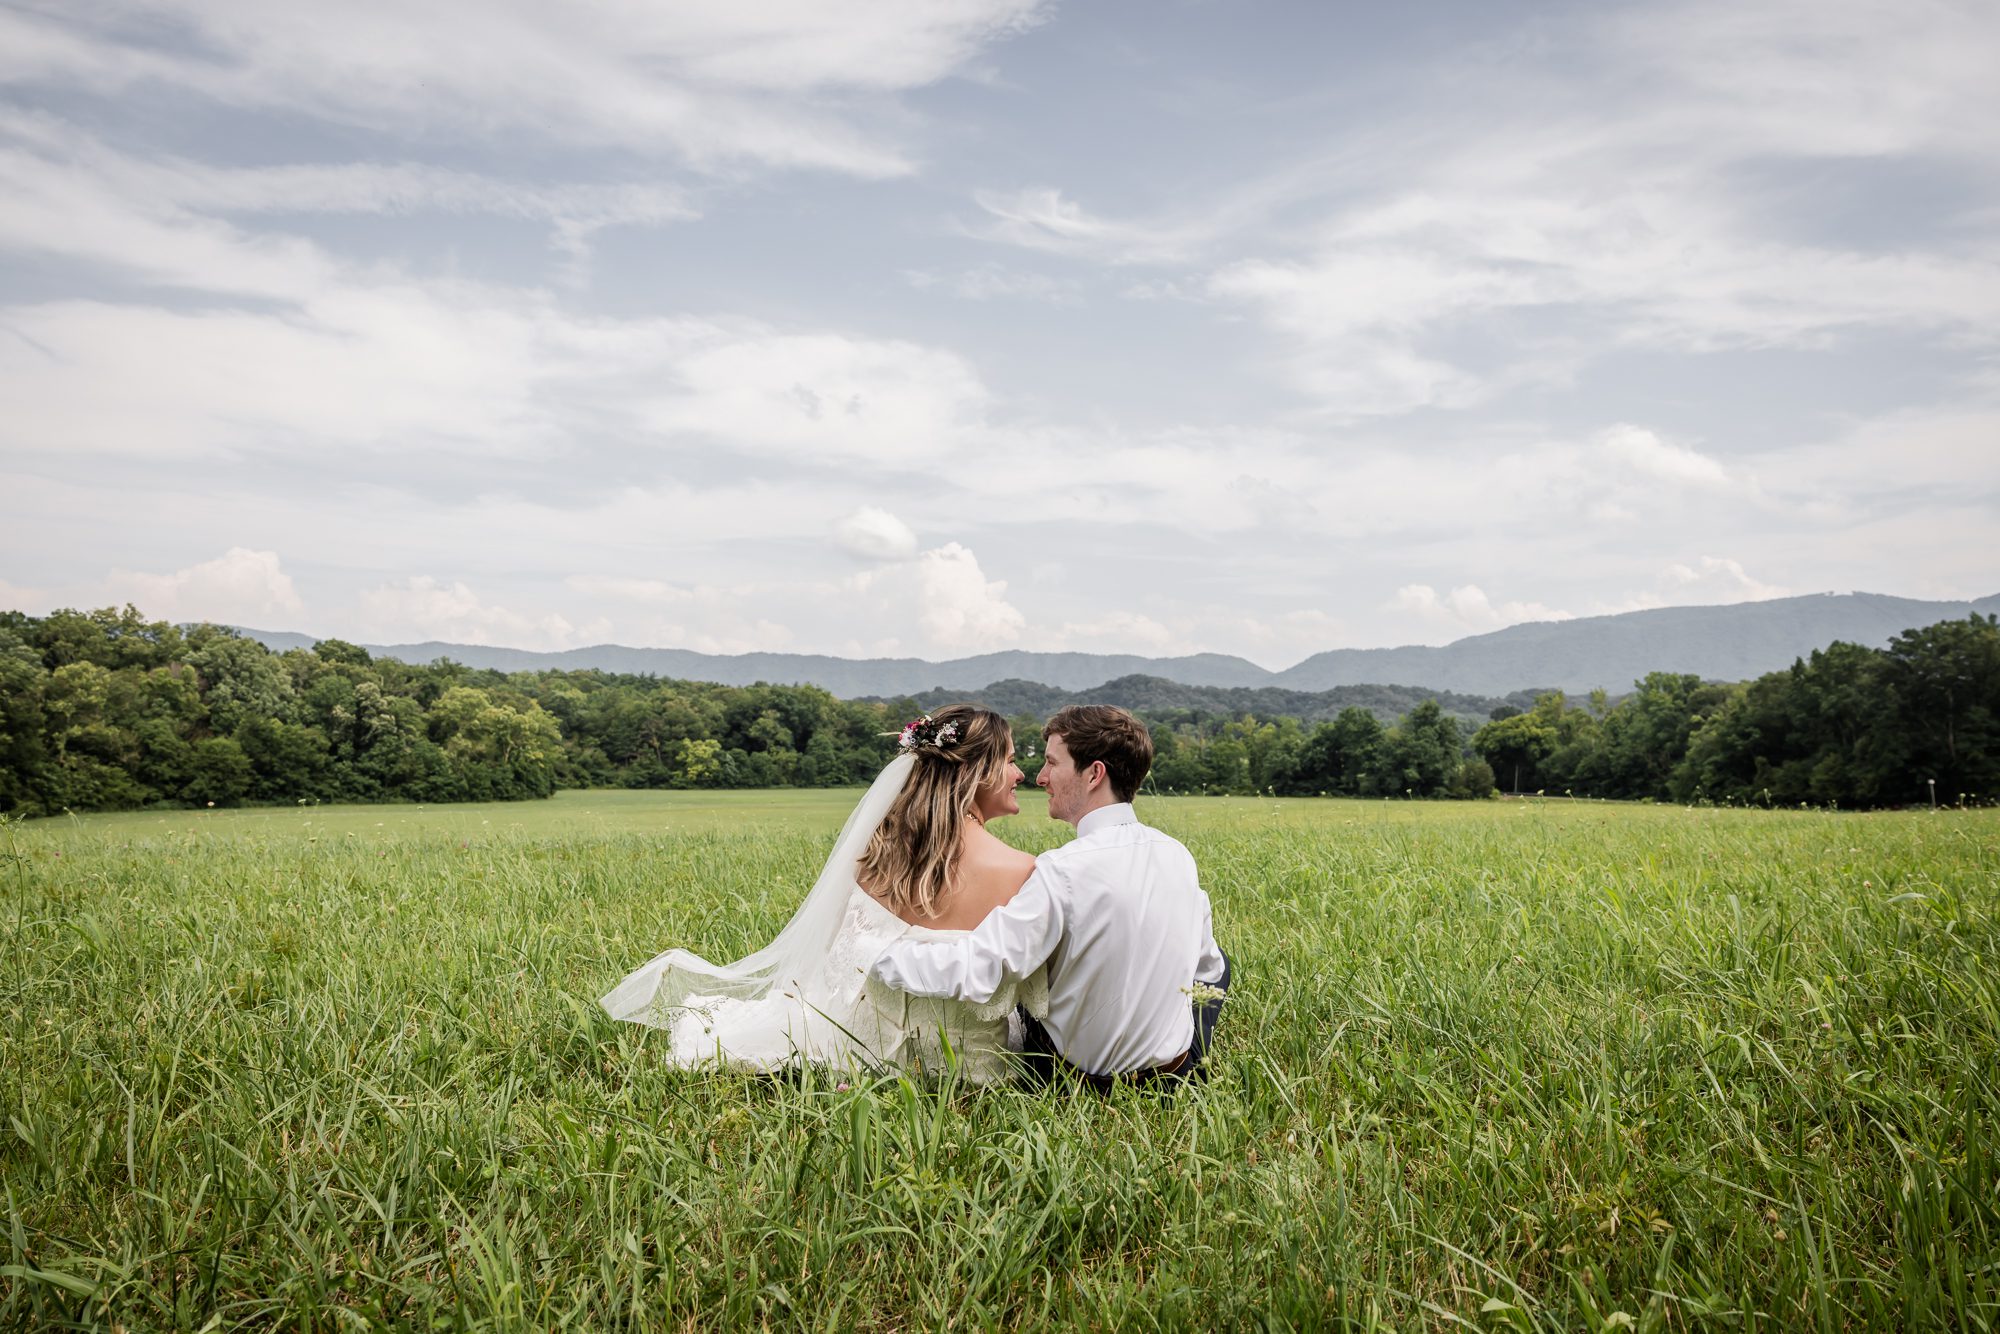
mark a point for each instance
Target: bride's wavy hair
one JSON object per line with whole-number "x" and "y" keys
{"x": 909, "y": 861}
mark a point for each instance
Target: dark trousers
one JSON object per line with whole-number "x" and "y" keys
{"x": 1041, "y": 1063}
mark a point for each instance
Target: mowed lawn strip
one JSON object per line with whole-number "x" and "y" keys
{"x": 1521, "y": 1065}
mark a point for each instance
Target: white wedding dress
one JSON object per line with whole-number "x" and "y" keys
{"x": 806, "y": 996}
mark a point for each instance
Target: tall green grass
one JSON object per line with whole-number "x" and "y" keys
{"x": 1520, "y": 1066}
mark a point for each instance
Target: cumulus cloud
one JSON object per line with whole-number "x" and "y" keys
{"x": 1468, "y": 609}
{"x": 423, "y": 608}
{"x": 875, "y": 534}
{"x": 960, "y": 606}
{"x": 239, "y": 587}
{"x": 1645, "y": 453}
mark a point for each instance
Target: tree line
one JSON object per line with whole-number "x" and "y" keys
{"x": 105, "y": 710}
{"x": 1848, "y": 726}
{"x": 1156, "y": 696}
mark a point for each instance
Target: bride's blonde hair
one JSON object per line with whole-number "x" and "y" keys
{"x": 909, "y": 861}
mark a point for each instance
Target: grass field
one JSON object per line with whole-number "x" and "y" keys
{"x": 1502, "y": 1065}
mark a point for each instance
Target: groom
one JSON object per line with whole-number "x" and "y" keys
{"x": 1118, "y": 915}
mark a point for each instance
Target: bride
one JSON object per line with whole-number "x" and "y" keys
{"x": 914, "y": 861}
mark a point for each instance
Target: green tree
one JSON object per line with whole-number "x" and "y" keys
{"x": 1943, "y": 687}
{"x": 24, "y": 744}
{"x": 700, "y": 762}
{"x": 219, "y": 773}
{"x": 239, "y": 678}
{"x": 1515, "y": 747}
{"x": 1424, "y": 750}
{"x": 1346, "y": 757}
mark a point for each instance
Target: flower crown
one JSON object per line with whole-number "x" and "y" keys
{"x": 926, "y": 733}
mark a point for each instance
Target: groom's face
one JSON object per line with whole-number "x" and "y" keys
{"x": 1069, "y": 791}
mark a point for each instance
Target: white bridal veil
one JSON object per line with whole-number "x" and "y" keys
{"x": 650, "y": 995}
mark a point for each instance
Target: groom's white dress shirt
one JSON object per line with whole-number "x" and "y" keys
{"x": 1119, "y": 917}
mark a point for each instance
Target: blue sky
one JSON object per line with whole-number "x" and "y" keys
{"x": 936, "y": 328}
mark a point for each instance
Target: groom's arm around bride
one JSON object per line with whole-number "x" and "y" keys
{"x": 1118, "y": 916}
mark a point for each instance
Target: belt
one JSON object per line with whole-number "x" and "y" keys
{"x": 1105, "y": 1083}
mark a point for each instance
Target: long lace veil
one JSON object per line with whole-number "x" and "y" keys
{"x": 649, "y": 995}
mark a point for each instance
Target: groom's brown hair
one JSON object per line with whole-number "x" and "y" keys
{"x": 1094, "y": 732}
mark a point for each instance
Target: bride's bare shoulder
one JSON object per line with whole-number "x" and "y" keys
{"x": 991, "y": 870}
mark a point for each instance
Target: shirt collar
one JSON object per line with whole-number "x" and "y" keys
{"x": 1105, "y": 817}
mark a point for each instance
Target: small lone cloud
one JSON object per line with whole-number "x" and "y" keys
{"x": 1468, "y": 608}
{"x": 1644, "y": 452}
{"x": 1721, "y": 579}
{"x": 875, "y": 534}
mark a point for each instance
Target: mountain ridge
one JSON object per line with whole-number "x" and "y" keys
{"x": 1732, "y": 642}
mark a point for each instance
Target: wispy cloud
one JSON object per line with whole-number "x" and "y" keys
{"x": 1548, "y": 230}
{"x": 1040, "y": 218}
{"x": 774, "y": 85}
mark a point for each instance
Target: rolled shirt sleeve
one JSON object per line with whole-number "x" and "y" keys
{"x": 1010, "y": 944}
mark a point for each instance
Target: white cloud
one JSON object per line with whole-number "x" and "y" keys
{"x": 875, "y": 534}
{"x": 327, "y": 354}
{"x": 424, "y": 608}
{"x": 48, "y": 156}
{"x": 1717, "y": 579}
{"x": 1117, "y": 631}
{"x": 820, "y": 394}
{"x": 239, "y": 587}
{"x": 1601, "y": 198}
{"x": 1468, "y": 609}
{"x": 1780, "y": 75}
{"x": 1040, "y": 218}
{"x": 944, "y": 594}
{"x": 1712, "y": 580}
{"x": 960, "y": 607}
{"x": 1645, "y": 453}
{"x": 769, "y": 83}
{"x": 619, "y": 588}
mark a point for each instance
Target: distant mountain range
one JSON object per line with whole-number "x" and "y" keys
{"x": 1731, "y": 643}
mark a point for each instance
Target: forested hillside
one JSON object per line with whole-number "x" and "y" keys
{"x": 1156, "y": 696}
